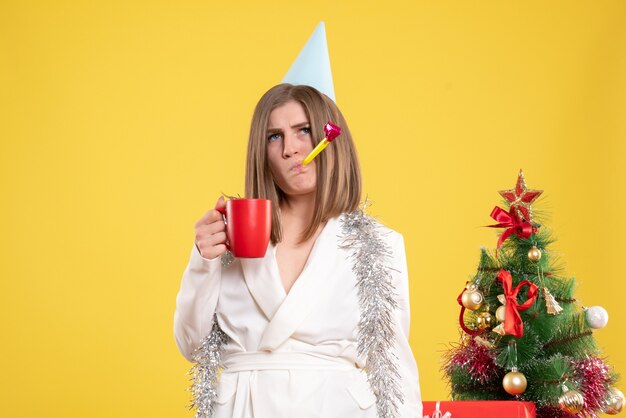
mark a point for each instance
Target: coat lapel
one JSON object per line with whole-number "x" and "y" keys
{"x": 309, "y": 288}
{"x": 265, "y": 289}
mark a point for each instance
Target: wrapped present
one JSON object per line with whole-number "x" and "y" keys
{"x": 479, "y": 409}
{"x": 437, "y": 413}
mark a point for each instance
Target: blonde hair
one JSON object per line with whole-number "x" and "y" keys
{"x": 338, "y": 185}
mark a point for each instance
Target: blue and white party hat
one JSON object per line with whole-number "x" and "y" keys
{"x": 312, "y": 66}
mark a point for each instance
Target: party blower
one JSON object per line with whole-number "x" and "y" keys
{"x": 332, "y": 132}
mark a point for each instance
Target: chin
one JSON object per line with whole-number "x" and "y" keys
{"x": 298, "y": 191}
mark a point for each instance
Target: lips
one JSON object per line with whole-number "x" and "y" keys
{"x": 297, "y": 167}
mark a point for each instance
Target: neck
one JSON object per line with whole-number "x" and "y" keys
{"x": 298, "y": 208}
{"x": 297, "y": 213}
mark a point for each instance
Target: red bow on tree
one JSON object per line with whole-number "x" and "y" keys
{"x": 512, "y": 223}
{"x": 513, "y": 323}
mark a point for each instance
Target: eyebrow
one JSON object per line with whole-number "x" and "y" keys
{"x": 297, "y": 125}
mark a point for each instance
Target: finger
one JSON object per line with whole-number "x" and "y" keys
{"x": 221, "y": 203}
{"x": 208, "y": 241}
{"x": 205, "y": 230}
{"x": 213, "y": 252}
{"x": 219, "y": 250}
{"x": 217, "y": 239}
{"x": 209, "y": 217}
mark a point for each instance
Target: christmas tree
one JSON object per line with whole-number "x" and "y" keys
{"x": 524, "y": 335}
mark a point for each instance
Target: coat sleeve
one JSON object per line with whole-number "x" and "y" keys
{"x": 196, "y": 302}
{"x": 412, "y": 406}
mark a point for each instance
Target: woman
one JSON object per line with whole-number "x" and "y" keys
{"x": 293, "y": 343}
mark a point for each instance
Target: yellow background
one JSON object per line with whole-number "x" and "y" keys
{"x": 121, "y": 121}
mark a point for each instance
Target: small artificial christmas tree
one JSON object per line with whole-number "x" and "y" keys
{"x": 525, "y": 336}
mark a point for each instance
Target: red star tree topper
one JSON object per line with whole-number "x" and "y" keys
{"x": 521, "y": 197}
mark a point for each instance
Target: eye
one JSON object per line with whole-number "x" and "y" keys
{"x": 305, "y": 130}
{"x": 274, "y": 137}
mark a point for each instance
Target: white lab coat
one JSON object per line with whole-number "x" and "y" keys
{"x": 293, "y": 355}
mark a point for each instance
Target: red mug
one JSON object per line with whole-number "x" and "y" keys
{"x": 248, "y": 226}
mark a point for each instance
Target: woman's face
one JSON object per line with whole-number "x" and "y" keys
{"x": 288, "y": 143}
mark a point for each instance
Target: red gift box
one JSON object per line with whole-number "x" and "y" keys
{"x": 482, "y": 409}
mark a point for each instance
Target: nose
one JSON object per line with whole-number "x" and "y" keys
{"x": 291, "y": 145}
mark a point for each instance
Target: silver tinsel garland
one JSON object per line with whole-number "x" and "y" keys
{"x": 227, "y": 259}
{"x": 207, "y": 359}
{"x": 371, "y": 258}
{"x": 205, "y": 371}
{"x": 375, "y": 336}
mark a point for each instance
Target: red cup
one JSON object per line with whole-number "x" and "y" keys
{"x": 248, "y": 226}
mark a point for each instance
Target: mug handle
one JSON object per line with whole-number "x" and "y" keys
{"x": 223, "y": 212}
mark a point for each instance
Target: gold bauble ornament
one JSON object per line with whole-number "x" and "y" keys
{"x": 484, "y": 320}
{"x": 472, "y": 299}
{"x": 500, "y": 313}
{"x": 499, "y": 329}
{"x": 615, "y": 403}
{"x": 571, "y": 401}
{"x": 534, "y": 254}
{"x": 514, "y": 382}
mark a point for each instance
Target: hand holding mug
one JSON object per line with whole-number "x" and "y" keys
{"x": 210, "y": 232}
{"x": 246, "y": 232}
